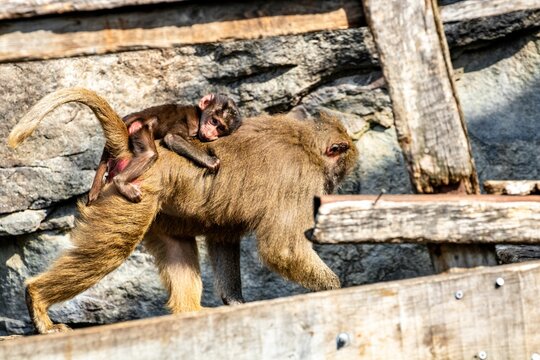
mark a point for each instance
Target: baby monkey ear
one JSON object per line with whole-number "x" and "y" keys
{"x": 206, "y": 100}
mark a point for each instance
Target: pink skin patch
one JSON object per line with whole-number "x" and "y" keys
{"x": 116, "y": 166}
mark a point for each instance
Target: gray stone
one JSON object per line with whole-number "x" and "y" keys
{"x": 132, "y": 291}
{"x": 21, "y": 222}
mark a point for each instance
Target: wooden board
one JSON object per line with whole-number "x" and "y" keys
{"x": 12, "y": 9}
{"x": 410, "y": 319}
{"x": 429, "y": 123}
{"x": 512, "y": 187}
{"x": 428, "y": 118}
{"x": 472, "y": 9}
{"x": 174, "y": 25}
{"x": 457, "y": 219}
{"x": 458, "y": 11}
{"x": 158, "y": 27}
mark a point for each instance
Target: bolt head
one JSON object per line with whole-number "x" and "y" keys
{"x": 535, "y": 356}
{"x": 459, "y": 294}
{"x": 482, "y": 355}
{"x": 499, "y": 282}
{"x": 342, "y": 340}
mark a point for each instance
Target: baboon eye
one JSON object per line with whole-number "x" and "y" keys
{"x": 336, "y": 149}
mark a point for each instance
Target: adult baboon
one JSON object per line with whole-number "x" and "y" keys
{"x": 270, "y": 170}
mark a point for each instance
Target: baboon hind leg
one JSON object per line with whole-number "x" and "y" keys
{"x": 224, "y": 254}
{"x": 177, "y": 259}
{"x": 105, "y": 235}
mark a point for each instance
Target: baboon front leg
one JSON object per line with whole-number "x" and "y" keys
{"x": 105, "y": 235}
{"x": 291, "y": 255}
{"x": 178, "y": 261}
{"x": 224, "y": 256}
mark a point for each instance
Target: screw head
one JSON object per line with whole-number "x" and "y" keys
{"x": 482, "y": 355}
{"x": 342, "y": 340}
{"x": 499, "y": 282}
{"x": 535, "y": 356}
{"x": 459, "y": 294}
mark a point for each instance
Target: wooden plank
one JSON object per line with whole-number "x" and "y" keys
{"x": 410, "y": 319}
{"x": 472, "y": 9}
{"x": 512, "y": 187}
{"x": 172, "y": 26}
{"x": 458, "y": 219}
{"x": 159, "y": 27}
{"x": 12, "y": 9}
{"x": 458, "y": 11}
{"x": 429, "y": 121}
{"x": 431, "y": 130}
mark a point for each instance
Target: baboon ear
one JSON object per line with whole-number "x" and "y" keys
{"x": 206, "y": 100}
{"x": 299, "y": 113}
{"x": 327, "y": 116}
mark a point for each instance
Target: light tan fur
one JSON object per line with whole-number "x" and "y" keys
{"x": 113, "y": 126}
{"x": 271, "y": 169}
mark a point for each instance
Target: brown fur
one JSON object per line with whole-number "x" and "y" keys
{"x": 268, "y": 190}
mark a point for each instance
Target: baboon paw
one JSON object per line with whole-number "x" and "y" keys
{"x": 213, "y": 166}
{"x": 58, "y": 328}
{"x": 91, "y": 199}
{"x": 232, "y": 301}
{"x": 133, "y": 193}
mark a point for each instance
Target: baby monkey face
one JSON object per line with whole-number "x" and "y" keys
{"x": 220, "y": 117}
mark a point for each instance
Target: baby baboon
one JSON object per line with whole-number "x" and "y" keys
{"x": 216, "y": 115}
{"x": 268, "y": 191}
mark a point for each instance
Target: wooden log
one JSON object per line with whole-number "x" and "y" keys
{"x": 429, "y": 121}
{"x": 448, "y": 316}
{"x": 172, "y": 26}
{"x": 472, "y": 9}
{"x": 458, "y": 219}
{"x": 512, "y": 187}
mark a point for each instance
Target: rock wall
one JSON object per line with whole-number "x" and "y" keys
{"x": 497, "y": 61}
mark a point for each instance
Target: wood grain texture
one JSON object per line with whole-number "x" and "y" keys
{"x": 428, "y": 120}
{"x": 512, "y": 187}
{"x": 175, "y": 25}
{"x": 429, "y": 219}
{"x": 409, "y": 319}
{"x": 12, "y": 9}
{"x": 472, "y": 9}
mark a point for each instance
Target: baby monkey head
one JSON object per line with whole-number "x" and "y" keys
{"x": 220, "y": 117}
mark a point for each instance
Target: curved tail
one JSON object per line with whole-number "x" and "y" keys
{"x": 115, "y": 131}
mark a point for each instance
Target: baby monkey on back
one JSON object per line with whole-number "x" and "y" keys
{"x": 216, "y": 115}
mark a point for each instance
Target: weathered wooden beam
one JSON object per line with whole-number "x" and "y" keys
{"x": 457, "y": 219}
{"x": 472, "y": 9}
{"x": 161, "y": 27}
{"x": 430, "y": 126}
{"x": 428, "y": 118}
{"x": 512, "y": 187}
{"x": 172, "y": 26}
{"x": 12, "y": 9}
{"x": 448, "y": 316}
{"x": 458, "y": 11}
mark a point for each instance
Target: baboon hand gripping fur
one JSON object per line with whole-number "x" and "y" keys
{"x": 268, "y": 191}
